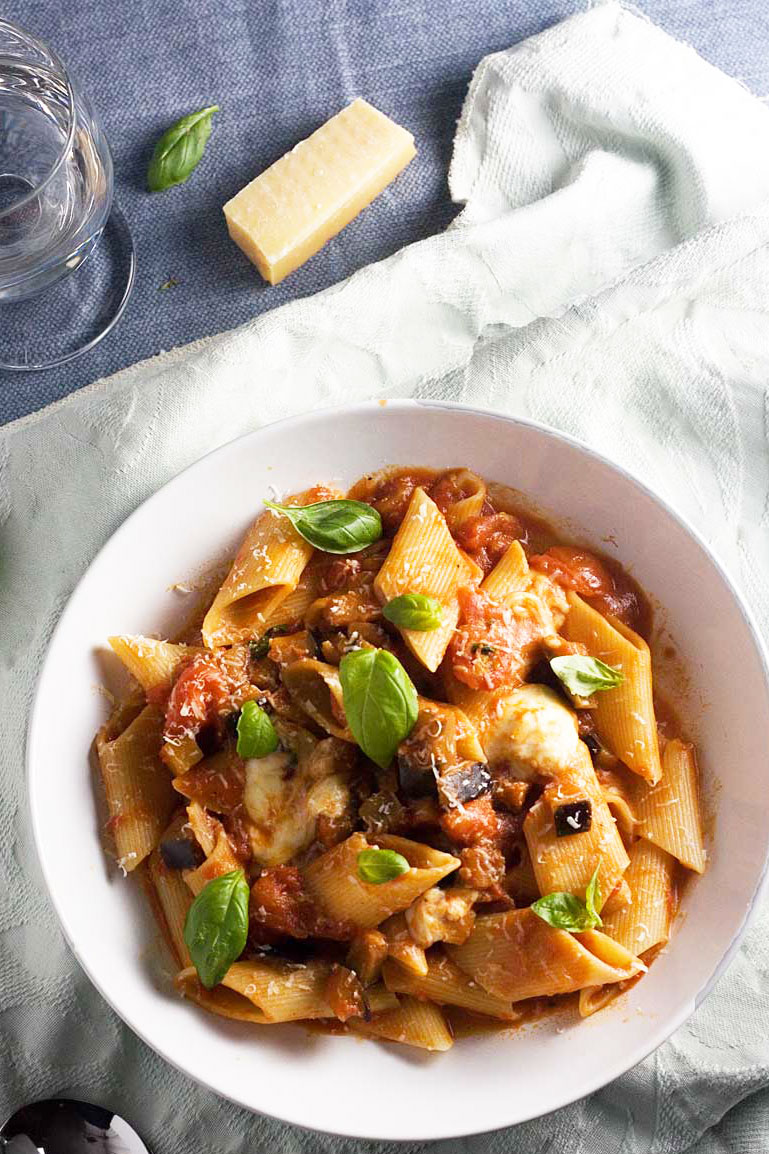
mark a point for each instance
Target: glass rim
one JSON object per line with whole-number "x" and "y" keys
{"x": 57, "y": 62}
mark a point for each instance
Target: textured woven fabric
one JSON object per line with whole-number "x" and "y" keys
{"x": 279, "y": 68}
{"x": 609, "y": 274}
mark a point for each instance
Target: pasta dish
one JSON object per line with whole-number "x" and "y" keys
{"x": 407, "y": 774}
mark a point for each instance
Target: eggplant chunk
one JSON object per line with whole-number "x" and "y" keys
{"x": 463, "y": 783}
{"x": 573, "y": 817}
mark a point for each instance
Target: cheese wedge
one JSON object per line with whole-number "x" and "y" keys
{"x": 289, "y": 212}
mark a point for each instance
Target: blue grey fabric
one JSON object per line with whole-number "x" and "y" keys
{"x": 279, "y": 68}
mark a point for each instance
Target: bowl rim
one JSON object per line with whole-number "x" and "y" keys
{"x": 369, "y": 408}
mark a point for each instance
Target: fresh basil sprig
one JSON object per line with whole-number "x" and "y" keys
{"x": 334, "y": 526}
{"x": 380, "y": 702}
{"x": 256, "y": 733}
{"x": 584, "y": 676}
{"x": 179, "y": 150}
{"x": 377, "y": 866}
{"x": 568, "y": 912}
{"x": 216, "y": 928}
{"x": 414, "y": 611}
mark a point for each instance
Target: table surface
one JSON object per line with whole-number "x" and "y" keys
{"x": 278, "y": 69}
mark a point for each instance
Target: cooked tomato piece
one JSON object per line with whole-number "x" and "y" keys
{"x": 236, "y": 824}
{"x": 483, "y": 866}
{"x": 390, "y": 494}
{"x": 492, "y": 645}
{"x": 345, "y": 994}
{"x": 472, "y": 823}
{"x": 216, "y": 783}
{"x": 609, "y": 590}
{"x": 487, "y": 537}
{"x": 280, "y": 903}
{"x": 206, "y": 690}
{"x": 337, "y": 573}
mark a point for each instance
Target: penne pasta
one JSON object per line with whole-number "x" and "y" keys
{"x": 137, "y": 785}
{"x": 221, "y": 1000}
{"x": 445, "y": 983}
{"x": 669, "y": 812}
{"x": 567, "y": 863}
{"x": 154, "y": 664}
{"x": 595, "y": 998}
{"x": 221, "y": 860}
{"x": 644, "y": 921}
{"x": 425, "y": 559}
{"x": 174, "y": 899}
{"x": 414, "y": 1023}
{"x": 401, "y": 945}
{"x": 290, "y": 992}
{"x": 516, "y": 955}
{"x": 333, "y": 879}
{"x": 510, "y": 575}
{"x": 624, "y": 716}
{"x": 267, "y": 568}
{"x": 463, "y": 494}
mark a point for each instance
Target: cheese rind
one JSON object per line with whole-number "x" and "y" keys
{"x": 288, "y": 213}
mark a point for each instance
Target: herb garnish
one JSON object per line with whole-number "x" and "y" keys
{"x": 179, "y": 150}
{"x": 584, "y": 676}
{"x": 216, "y": 928}
{"x": 380, "y": 702}
{"x": 334, "y": 526}
{"x": 566, "y": 911}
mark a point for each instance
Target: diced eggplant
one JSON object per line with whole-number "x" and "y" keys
{"x": 416, "y": 778}
{"x": 181, "y": 853}
{"x": 573, "y": 817}
{"x": 260, "y": 648}
{"x": 463, "y": 783}
{"x": 592, "y": 742}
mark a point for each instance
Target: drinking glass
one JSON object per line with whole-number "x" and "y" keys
{"x": 67, "y": 260}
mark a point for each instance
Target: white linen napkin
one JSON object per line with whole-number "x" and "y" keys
{"x": 609, "y": 275}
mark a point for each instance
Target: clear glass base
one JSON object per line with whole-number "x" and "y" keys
{"x": 70, "y": 317}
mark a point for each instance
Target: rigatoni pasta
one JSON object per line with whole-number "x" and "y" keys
{"x": 407, "y": 775}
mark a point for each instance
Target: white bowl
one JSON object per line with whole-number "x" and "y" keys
{"x": 345, "y": 1085}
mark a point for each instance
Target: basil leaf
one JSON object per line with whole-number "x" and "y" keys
{"x": 376, "y": 866}
{"x": 261, "y": 647}
{"x": 593, "y": 898}
{"x": 414, "y": 611}
{"x": 379, "y": 700}
{"x": 584, "y": 676}
{"x": 216, "y": 928}
{"x": 334, "y": 526}
{"x": 256, "y": 733}
{"x": 179, "y": 150}
{"x": 568, "y": 912}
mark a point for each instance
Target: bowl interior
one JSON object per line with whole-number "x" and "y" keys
{"x": 485, "y": 1081}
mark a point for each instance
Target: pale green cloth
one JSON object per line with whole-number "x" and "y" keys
{"x": 610, "y": 276}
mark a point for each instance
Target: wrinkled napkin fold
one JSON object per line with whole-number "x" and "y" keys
{"x": 609, "y": 275}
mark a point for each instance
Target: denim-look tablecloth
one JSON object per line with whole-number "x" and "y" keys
{"x": 279, "y": 68}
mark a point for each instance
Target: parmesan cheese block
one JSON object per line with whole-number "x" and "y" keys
{"x": 289, "y": 212}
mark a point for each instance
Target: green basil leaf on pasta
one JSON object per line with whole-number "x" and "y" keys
{"x": 380, "y": 702}
{"x": 584, "y": 676}
{"x": 256, "y": 733}
{"x": 593, "y": 898}
{"x": 334, "y": 526}
{"x": 414, "y": 611}
{"x": 216, "y": 928}
{"x": 568, "y": 912}
{"x": 179, "y": 150}
{"x": 377, "y": 866}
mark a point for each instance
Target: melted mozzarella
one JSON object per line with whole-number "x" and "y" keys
{"x": 283, "y": 806}
{"x": 533, "y": 732}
